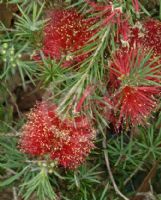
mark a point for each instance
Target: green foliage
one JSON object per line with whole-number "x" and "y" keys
{"x": 150, "y": 142}
{"x": 10, "y": 157}
{"x": 29, "y": 25}
{"x": 50, "y": 72}
{"x": 130, "y": 154}
{"x": 6, "y": 119}
{"x": 124, "y": 153}
{"x": 83, "y": 178}
{"x": 40, "y": 185}
{"x": 12, "y": 160}
{"x": 13, "y": 61}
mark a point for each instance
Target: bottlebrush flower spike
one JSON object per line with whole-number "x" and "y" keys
{"x": 134, "y": 85}
{"x": 148, "y": 34}
{"x": 68, "y": 142}
{"x": 79, "y": 145}
{"x": 135, "y": 104}
{"x": 36, "y": 137}
{"x": 66, "y": 32}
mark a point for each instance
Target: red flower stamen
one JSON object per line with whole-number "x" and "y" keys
{"x": 148, "y": 34}
{"x": 66, "y": 33}
{"x": 135, "y": 104}
{"x": 68, "y": 142}
{"x": 130, "y": 73}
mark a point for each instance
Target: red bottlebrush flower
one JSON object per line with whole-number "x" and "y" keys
{"x": 36, "y": 137}
{"x": 66, "y": 32}
{"x": 148, "y": 34}
{"x": 134, "y": 85}
{"x": 120, "y": 66}
{"x": 135, "y": 104}
{"x": 68, "y": 142}
{"x": 73, "y": 153}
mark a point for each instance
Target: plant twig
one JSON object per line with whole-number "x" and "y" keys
{"x": 11, "y": 134}
{"x": 144, "y": 187}
{"x": 15, "y": 197}
{"x": 110, "y": 172}
{"x": 137, "y": 169}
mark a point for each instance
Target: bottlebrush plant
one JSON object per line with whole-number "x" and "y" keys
{"x": 80, "y": 100}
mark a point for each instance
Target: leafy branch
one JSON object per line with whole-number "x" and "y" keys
{"x": 90, "y": 72}
{"x": 40, "y": 185}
